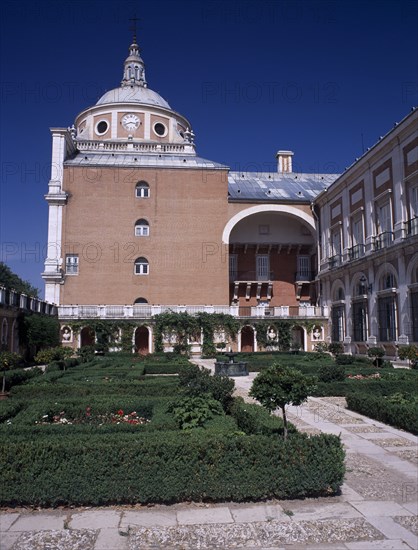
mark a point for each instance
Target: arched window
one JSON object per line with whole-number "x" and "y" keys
{"x": 339, "y": 294}
{"x": 141, "y": 228}
{"x": 141, "y": 301}
{"x": 387, "y": 281}
{"x": 141, "y": 266}
{"x": 4, "y": 332}
{"x": 142, "y": 190}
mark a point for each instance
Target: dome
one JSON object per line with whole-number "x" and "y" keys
{"x": 133, "y": 94}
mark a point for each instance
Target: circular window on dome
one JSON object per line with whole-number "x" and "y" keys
{"x": 160, "y": 129}
{"x": 102, "y": 127}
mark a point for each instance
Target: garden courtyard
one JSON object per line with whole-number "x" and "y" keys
{"x": 110, "y": 454}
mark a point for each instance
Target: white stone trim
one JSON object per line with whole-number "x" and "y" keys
{"x": 266, "y": 208}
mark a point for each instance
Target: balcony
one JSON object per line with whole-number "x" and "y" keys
{"x": 304, "y": 276}
{"x": 335, "y": 261}
{"x": 357, "y": 251}
{"x": 411, "y": 227}
{"x": 146, "y": 311}
{"x": 383, "y": 240}
{"x": 251, "y": 276}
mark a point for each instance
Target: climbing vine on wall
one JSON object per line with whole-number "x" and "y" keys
{"x": 116, "y": 334}
{"x": 281, "y": 329}
{"x": 178, "y": 327}
{"x": 216, "y": 322}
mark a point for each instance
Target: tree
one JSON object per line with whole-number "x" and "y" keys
{"x": 9, "y": 279}
{"x": 41, "y": 331}
{"x": 278, "y": 386}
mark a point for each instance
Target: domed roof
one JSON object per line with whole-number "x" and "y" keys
{"x": 133, "y": 94}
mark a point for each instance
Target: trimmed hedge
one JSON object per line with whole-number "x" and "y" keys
{"x": 400, "y": 415}
{"x": 167, "y": 468}
{"x": 254, "y": 419}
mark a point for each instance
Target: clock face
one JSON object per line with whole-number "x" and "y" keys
{"x": 130, "y": 122}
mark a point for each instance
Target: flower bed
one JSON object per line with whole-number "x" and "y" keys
{"x": 111, "y": 418}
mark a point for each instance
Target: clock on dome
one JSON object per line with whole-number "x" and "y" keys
{"x": 130, "y": 122}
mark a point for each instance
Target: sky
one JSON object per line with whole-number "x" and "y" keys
{"x": 324, "y": 79}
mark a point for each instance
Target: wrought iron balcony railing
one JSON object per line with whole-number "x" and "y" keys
{"x": 356, "y": 251}
{"x": 383, "y": 239}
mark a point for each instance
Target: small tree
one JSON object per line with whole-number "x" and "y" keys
{"x": 409, "y": 352}
{"x": 278, "y": 386}
{"x": 376, "y": 354}
{"x": 8, "y": 360}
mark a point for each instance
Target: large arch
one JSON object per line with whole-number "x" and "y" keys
{"x": 289, "y": 210}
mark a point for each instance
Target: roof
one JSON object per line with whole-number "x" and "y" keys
{"x": 87, "y": 158}
{"x": 265, "y": 186}
{"x": 133, "y": 94}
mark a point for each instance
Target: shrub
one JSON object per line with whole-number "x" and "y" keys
{"x": 167, "y": 467}
{"x": 197, "y": 382}
{"x": 255, "y": 420}
{"x": 344, "y": 359}
{"x": 193, "y": 412}
{"x": 278, "y": 386}
{"x": 86, "y": 353}
{"x": 336, "y": 348}
{"x": 331, "y": 373}
{"x": 376, "y": 352}
{"x": 321, "y": 347}
{"x": 398, "y": 412}
{"x": 410, "y": 353}
{"x": 47, "y": 355}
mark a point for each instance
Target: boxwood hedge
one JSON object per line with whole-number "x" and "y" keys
{"x": 403, "y": 415}
{"x": 167, "y": 467}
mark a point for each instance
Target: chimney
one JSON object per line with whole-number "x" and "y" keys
{"x": 284, "y": 161}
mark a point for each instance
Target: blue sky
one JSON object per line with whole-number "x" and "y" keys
{"x": 324, "y": 79}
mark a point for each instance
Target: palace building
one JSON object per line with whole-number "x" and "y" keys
{"x": 140, "y": 224}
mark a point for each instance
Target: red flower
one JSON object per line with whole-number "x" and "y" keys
{"x": 120, "y": 412}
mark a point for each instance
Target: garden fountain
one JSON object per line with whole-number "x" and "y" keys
{"x": 230, "y": 368}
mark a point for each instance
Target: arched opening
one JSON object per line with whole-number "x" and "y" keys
{"x": 142, "y": 340}
{"x": 271, "y": 257}
{"x": 87, "y": 337}
{"x": 141, "y": 301}
{"x": 298, "y": 339}
{"x": 247, "y": 339}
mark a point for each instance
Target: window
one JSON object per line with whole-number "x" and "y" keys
{"x": 160, "y": 129}
{"x": 335, "y": 255}
{"x": 304, "y": 268}
{"x": 141, "y": 266}
{"x": 263, "y": 267}
{"x": 384, "y": 225}
{"x": 387, "y": 318}
{"x": 264, "y": 229}
{"x": 359, "y": 310}
{"x": 233, "y": 267}
{"x": 102, "y": 127}
{"x": 414, "y": 315}
{"x": 412, "y": 224}
{"x": 71, "y": 264}
{"x": 337, "y": 321}
{"x": 141, "y": 228}
{"x": 141, "y": 301}
{"x": 357, "y": 238}
{"x": 142, "y": 190}
{"x": 387, "y": 281}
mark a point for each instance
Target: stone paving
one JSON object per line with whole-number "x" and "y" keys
{"x": 377, "y": 508}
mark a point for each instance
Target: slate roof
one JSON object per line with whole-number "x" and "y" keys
{"x": 88, "y": 158}
{"x": 266, "y": 186}
{"x": 242, "y": 186}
